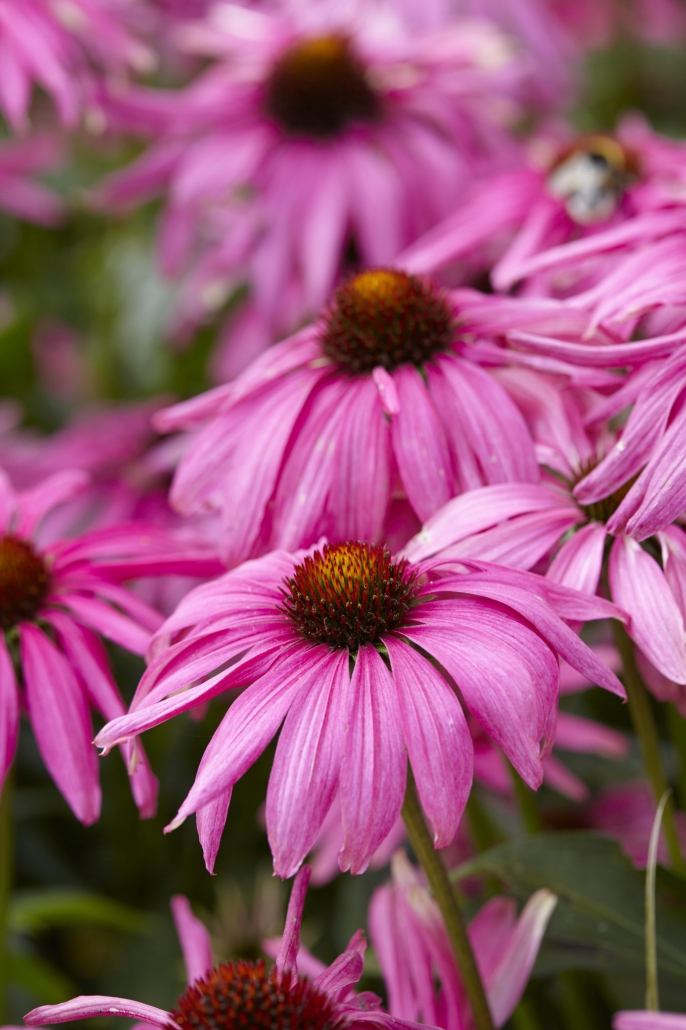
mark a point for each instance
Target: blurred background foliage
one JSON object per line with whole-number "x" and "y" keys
{"x": 90, "y": 906}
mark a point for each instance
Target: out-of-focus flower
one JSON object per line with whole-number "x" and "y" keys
{"x": 599, "y": 23}
{"x": 374, "y": 411}
{"x": 329, "y": 642}
{"x": 60, "y": 45}
{"x": 639, "y": 1020}
{"x": 521, "y": 524}
{"x": 417, "y": 961}
{"x": 20, "y": 162}
{"x": 56, "y": 601}
{"x": 627, "y": 812}
{"x": 319, "y": 138}
{"x": 565, "y": 218}
{"x": 61, "y": 368}
{"x": 281, "y": 998}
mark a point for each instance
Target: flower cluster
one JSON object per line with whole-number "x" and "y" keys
{"x": 435, "y": 495}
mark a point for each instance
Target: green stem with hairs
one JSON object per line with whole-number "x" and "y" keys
{"x": 6, "y": 877}
{"x": 645, "y": 729}
{"x": 442, "y": 890}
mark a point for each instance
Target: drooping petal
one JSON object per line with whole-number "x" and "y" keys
{"x": 438, "y": 741}
{"x": 87, "y": 1007}
{"x": 193, "y": 937}
{"x": 506, "y": 982}
{"x": 638, "y": 585}
{"x": 9, "y": 710}
{"x": 250, "y": 723}
{"x": 506, "y": 674}
{"x": 361, "y": 482}
{"x": 61, "y": 722}
{"x": 210, "y": 821}
{"x": 304, "y": 775}
{"x": 579, "y": 561}
{"x": 420, "y": 445}
{"x": 374, "y": 764}
{"x": 88, "y": 658}
{"x": 287, "y": 957}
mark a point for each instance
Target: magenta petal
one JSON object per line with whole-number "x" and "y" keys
{"x": 385, "y": 937}
{"x": 639, "y": 585}
{"x": 374, "y": 764}
{"x": 506, "y": 982}
{"x": 648, "y": 1021}
{"x": 579, "y": 561}
{"x": 251, "y": 722}
{"x": 439, "y": 743}
{"x": 304, "y": 775}
{"x": 420, "y": 445}
{"x": 9, "y": 710}
{"x": 343, "y": 972}
{"x": 194, "y": 939}
{"x": 480, "y": 509}
{"x": 210, "y": 822}
{"x": 287, "y": 957}
{"x": 61, "y": 722}
{"x": 506, "y": 674}
{"x": 361, "y": 482}
{"x": 86, "y": 1007}
{"x": 307, "y": 473}
{"x": 88, "y": 658}
{"x": 574, "y": 733}
{"x": 37, "y": 502}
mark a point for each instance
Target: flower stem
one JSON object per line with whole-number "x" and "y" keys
{"x": 442, "y": 890}
{"x": 645, "y": 729}
{"x": 6, "y": 875}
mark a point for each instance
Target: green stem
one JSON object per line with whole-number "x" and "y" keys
{"x": 6, "y": 877}
{"x": 527, "y": 803}
{"x": 677, "y": 731}
{"x": 645, "y": 729}
{"x": 442, "y": 890}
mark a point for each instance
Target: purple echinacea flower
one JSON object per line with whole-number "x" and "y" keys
{"x": 56, "y": 602}
{"x": 239, "y": 994}
{"x": 363, "y": 655}
{"x": 375, "y": 414}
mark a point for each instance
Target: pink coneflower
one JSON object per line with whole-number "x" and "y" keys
{"x": 563, "y": 218}
{"x": 316, "y": 138}
{"x": 56, "y": 44}
{"x": 56, "y": 601}
{"x": 240, "y": 994}
{"x": 416, "y": 959}
{"x": 20, "y": 161}
{"x": 371, "y": 411}
{"x": 577, "y": 536}
{"x": 336, "y": 642}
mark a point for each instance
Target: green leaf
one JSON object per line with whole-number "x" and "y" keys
{"x": 599, "y": 920}
{"x": 38, "y": 977}
{"x": 38, "y": 910}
